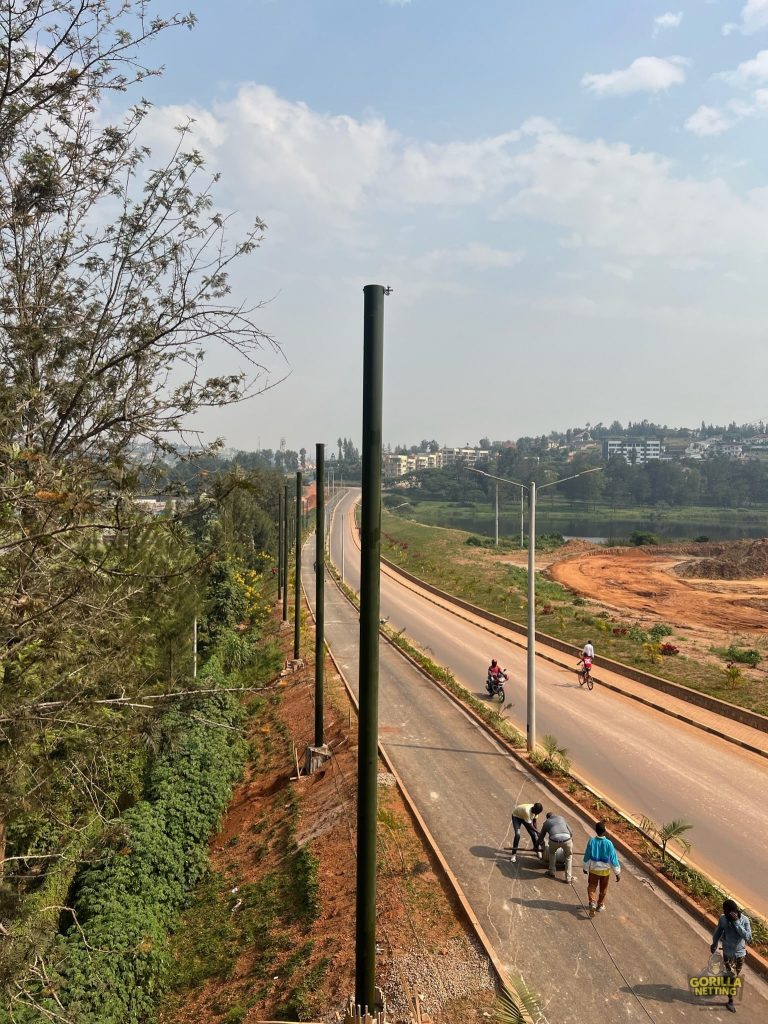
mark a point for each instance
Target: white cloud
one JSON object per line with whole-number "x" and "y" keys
{"x": 477, "y": 256}
{"x": 645, "y": 74}
{"x": 749, "y": 71}
{"x": 345, "y": 187}
{"x": 708, "y": 121}
{"x": 668, "y": 20}
{"x": 754, "y": 17}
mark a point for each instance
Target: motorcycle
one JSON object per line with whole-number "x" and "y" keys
{"x": 495, "y": 685}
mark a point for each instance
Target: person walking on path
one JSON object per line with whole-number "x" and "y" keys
{"x": 600, "y": 859}
{"x": 559, "y": 837}
{"x": 735, "y": 931}
{"x": 525, "y": 815}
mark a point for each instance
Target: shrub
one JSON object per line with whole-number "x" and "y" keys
{"x": 744, "y": 656}
{"x": 701, "y": 539}
{"x": 669, "y": 649}
{"x": 639, "y": 538}
{"x": 619, "y": 630}
{"x": 114, "y": 954}
{"x": 652, "y": 652}
{"x": 637, "y": 635}
{"x": 659, "y": 630}
{"x": 733, "y": 674}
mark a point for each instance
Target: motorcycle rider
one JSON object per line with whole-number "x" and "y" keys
{"x": 496, "y": 675}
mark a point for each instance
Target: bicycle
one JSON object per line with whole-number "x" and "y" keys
{"x": 585, "y": 676}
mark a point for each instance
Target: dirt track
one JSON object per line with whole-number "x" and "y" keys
{"x": 644, "y": 583}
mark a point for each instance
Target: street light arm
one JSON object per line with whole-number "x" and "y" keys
{"x": 502, "y": 479}
{"x": 553, "y": 483}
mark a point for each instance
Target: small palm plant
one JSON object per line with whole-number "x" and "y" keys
{"x": 665, "y": 834}
{"x": 517, "y": 1005}
{"x": 555, "y": 758}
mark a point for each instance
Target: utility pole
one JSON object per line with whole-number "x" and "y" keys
{"x": 285, "y": 553}
{"x": 531, "y": 730}
{"x": 319, "y": 591}
{"x": 368, "y": 727}
{"x": 279, "y": 546}
{"x": 297, "y": 574}
{"x": 342, "y": 548}
{"x": 522, "y": 507}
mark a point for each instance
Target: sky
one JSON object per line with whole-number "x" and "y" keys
{"x": 569, "y": 201}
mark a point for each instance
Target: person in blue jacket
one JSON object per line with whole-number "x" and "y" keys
{"x": 735, "y": 931}
{"x": 600, "y": 859}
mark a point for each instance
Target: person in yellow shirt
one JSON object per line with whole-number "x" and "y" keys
{"x": 524, "y": 816}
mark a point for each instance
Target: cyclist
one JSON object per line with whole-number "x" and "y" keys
{"x": 586, "y": 660}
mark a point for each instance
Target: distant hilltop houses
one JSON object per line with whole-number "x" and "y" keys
{"x": 399, "y": 465}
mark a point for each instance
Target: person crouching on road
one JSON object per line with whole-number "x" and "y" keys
{"x": 600, "y": 859}
{"x": 559, "y": 837}
{"x": 735, "y": 931}
{"x": 525, "y": 815}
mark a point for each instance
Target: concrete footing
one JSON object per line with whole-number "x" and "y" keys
{"x": 315, "y": 758}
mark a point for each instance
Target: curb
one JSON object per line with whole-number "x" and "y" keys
{"x": 755, "y": 960}
{"x": 453, "y": 882}
{"x": 731, "y": 712}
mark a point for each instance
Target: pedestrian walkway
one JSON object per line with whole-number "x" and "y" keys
{"x": 631, "y": 964}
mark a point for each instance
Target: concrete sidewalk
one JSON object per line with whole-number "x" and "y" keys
{"x": 628, "y": 965}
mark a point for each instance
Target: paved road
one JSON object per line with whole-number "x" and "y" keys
{"x": 630, "y": 965}
{"x": 642, "y": 760}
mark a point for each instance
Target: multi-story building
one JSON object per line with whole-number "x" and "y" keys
{"x": 637, "y": 451}
{"x": 469, "y": 456}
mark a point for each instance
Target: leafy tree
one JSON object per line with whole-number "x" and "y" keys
{"x": 114, "y": 293}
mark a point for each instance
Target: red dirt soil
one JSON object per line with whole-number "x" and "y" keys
{"x": 644, "y": 582}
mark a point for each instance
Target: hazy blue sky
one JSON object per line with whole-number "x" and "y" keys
{"x": 569, "y": 199}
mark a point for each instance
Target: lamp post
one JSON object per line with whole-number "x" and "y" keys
{"x": 531, "y": 647}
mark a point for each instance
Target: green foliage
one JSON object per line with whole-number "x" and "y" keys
{"x": 742, "y": 655}
{"x": 641, "y": 537}
{"x": 637, "y": 635}
{"x": 661, "y": 629}
{"x": 554, "y": 759}
{"x": 517, "y": 1005}
{"x": 733, "y": 675}
{"x": 113, "y": 954}
{"x": 652, "y": 652}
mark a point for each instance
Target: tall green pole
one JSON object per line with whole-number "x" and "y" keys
{"x": 280, "y": 547}
{"x": 531, "y": 687}
{"x": 285, "y": 553}
{"x": 319, "y": 592}
{"x": 297, "y": 574}
{"x": 368, "y": 727}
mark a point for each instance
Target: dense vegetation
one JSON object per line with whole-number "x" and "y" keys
{"x": 115, "y": 758}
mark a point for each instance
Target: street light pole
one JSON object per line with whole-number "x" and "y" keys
{"x": 531, "y": 652}
{"x": 497, "y": 513}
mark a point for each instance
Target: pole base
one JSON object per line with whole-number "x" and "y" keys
{"x": 359, "y": 1015}
{"x": 315, "y": 758}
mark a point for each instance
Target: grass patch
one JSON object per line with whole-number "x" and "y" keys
{"x": 442, "y": 558}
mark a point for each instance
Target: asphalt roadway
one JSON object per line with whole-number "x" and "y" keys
{"x": 629, "y": 964}
{"x": 644, "y": 761}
